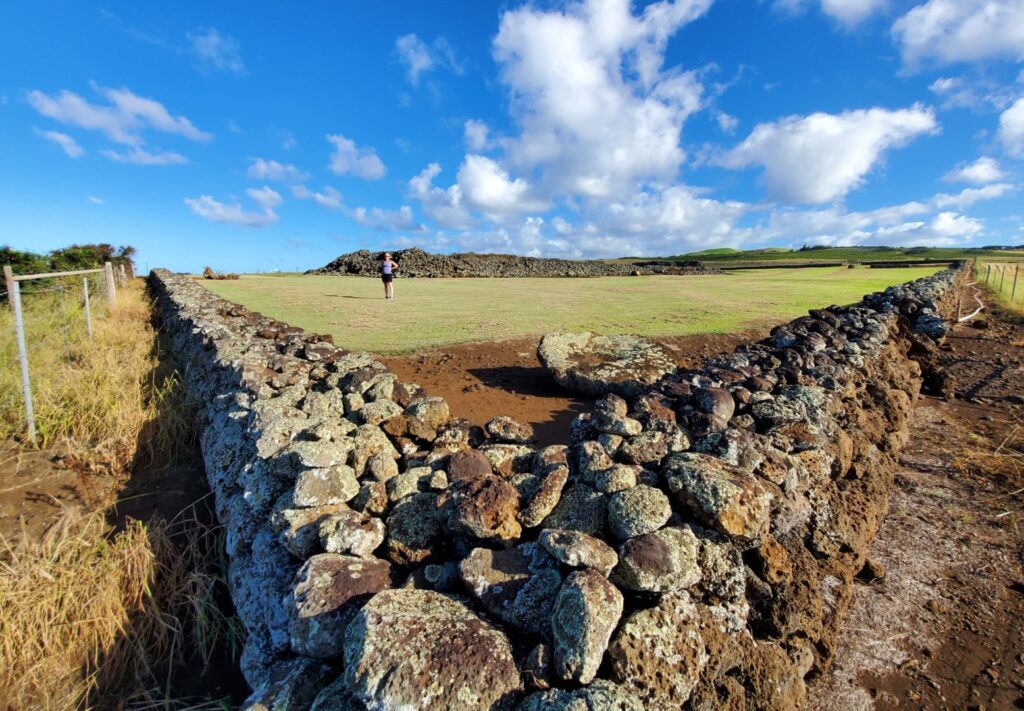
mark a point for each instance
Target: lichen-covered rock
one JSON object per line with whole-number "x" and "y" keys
{"x": 432, "y": 411}
{"x": 374, "y": 413}
{"x": 595, "y": 365}
{"x": 725, "y": 497}
{"x": 368, "y": 441}
{"x": 661, "y": 561}
{"x": 581, "y": 509}
{"x": 418, "y": 649}
{"x": 508, "y": 459}
{"x": 329, "y": 589}
{"x": 578, "y": 550}
{"x": 299, "y": 528}
{"x": 351, "y": 532}
{"x": 637, "y": 511}
{"x": 381, "y": 467}
{"x": 504, "y": 429}
{"x": 485, "y": 508}
{"x": 602, "y": 695}
{"x": 659, "y": 653}
{"x": 586, "y": 612}
{"x": 617, "y": 477}
{"x": 518, "y": 584}
{"x": 412, "y": 529}
{"x": 645, "y": 448}
{"x": 543, "y": 495}
{"x": 336, "y": 697}
{"x": 320, "y": 487}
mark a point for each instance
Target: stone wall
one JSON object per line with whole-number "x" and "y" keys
{"x": 693, "y": 546}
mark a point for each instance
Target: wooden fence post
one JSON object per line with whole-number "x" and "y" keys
{"x": 988, "y": 269}
{"x": 1013, "y": 291}
{"x": 108, "y": 273}
{"x": 88, "y": 312}
{"x": 124, "y": 275}
{"x": 14, "y": 296}
{"x": 1002, "y": 278}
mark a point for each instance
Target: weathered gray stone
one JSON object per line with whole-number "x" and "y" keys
{"x": 586, "y": 612}
{"x": 433, "y": 411}
{"x": 290, "y": 686}
{"x": 645, "y": 448}
{"x": 518, "y": 585}
{"x": 368, "y": 441}
{"x": 617, "y": 477}
{"x": 637, "y": 511}
{"x": 412, "y": 529}
{"x": 661, "y": 561}
{"x": 329, "y": 589}
{"x": 596, "y": 365}
{"x": 374, "y": 413}
{"x": 602, "y": 695}
{"x": 544, "y": 496}
{"x": 351, "y": 532}
{"x": 578, "y": 550}
{"x": 299, "y": 529}
{"x": 659, "y": 653}
{"x": 505, "y": 429}
{"x": 320, "y": 487}
{"x": 580, "y": 508}
{"x": 381, "y": 467}
{"x": 420, "y": 649}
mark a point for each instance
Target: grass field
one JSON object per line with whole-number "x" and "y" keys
{"x": 1005, "y": 280}
{"x": 429, "y": 313}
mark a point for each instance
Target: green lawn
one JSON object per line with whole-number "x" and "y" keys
{"x": 429, "y": 313}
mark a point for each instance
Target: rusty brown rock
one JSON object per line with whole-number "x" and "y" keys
{"x": 485, "y": 507}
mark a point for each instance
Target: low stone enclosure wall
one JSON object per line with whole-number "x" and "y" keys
{"x": 693, "y": 547}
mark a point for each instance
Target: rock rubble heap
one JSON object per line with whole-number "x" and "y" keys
{"x": 414, "y": 262}
{"x": 692, "y": 545}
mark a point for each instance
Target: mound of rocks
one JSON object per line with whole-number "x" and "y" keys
{"x": 414, "y": 262}
{"x": 597, "y": 365}
{"x": 693, "y": 545}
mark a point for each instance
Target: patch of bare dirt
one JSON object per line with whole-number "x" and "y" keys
{"x": 941, "y": 628}
{"x": 483, "y": 380}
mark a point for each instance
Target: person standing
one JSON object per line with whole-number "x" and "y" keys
{"x": 387, "y": 275}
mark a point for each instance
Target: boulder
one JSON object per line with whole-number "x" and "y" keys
{"x": 544, "y": 494}
{"x": 637, "y": 511}
{"x": 586, "y": 612}
{"x": 659, "y": 653}
{"x": 581, "y": 509}
{"x": 320, "y": 487}
{"x": 658, "y": 562}
{"x": 432, "y": 411}
{"x": 419, "y": 649}
{"x": 505, "y": 429}
{"x": 351, "y": 532}
{"x": 328, "y": 591}
{"x": 518, "y": 585}
{"x": 578, "y": 550}
{"x": 412, "y": 529}
{"x": 485, "y": 507}
{"x": 728, "y": 499}
{"x": 596, "y": 365}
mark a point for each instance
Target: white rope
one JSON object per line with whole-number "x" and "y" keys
{"x": 981, "y": 304}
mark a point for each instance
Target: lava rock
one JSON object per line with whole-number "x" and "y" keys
{"x": 658, "y": 562}
{"x": 586, "y": 612}
{"x": 637, "y": 511}
{"x": 578, "y": 550}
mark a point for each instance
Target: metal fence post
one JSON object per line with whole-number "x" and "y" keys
{"x": 14, "y": 294}
{"x": 88, "y": 312}
{"x": 108, "y": 273}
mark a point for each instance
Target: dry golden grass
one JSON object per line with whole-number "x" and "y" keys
{"x": 93, "y": 619}
{"x": 100, "y": 399}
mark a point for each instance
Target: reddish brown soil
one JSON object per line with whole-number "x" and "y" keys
{"x": 483, "y": 380}
{"x": 942, "y": 629}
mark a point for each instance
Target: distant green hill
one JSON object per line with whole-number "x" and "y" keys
{"x": 727, "y": 256}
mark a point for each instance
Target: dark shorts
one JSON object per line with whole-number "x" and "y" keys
{"x": 387, "y": 278}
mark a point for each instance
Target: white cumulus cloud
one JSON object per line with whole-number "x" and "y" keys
{"x": 822, "y": 157}
{"x": 329, "y": 198}
{"x": 477, "y": 135}
{"x": 420, "y": 58}
{"x": 141, "y": 156}
{"x": 347, "y": 158}
{"x": 68, "y": 144}
{"x": 950, "y": 31}
{"x": 233, "y": 214}
{"x": 596, "y": 110}
{"x": 387, "y": 220}
{"x": 488, "y": 188}
{"x": 982, "y": 171}
{"x": 260, "y": 169}
{"x": 1011, "y": 129}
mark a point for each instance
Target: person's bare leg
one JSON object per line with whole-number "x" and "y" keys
{"x": 391, "y": 290}
{"x": 386, "y": 286}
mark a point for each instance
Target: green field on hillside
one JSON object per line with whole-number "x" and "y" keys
{"x": 727, "y": 257}
{"x": 429, "y": 313}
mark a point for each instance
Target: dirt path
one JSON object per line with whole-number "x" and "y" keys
{"x": 483, "y": 380}
{"x": 942, "y": 628}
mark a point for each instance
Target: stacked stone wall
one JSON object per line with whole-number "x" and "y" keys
{"x": 693, "y": 546}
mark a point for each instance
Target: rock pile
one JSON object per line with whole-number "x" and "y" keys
{"x": 624, "y": 364}
{"x": 693, "y": 544}
{"x": 414, "y": 262}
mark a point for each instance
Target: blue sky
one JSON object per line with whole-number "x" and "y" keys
{"x": 264, "y": 136}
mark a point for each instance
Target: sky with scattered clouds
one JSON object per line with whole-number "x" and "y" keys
{"x": 263, "y": 136}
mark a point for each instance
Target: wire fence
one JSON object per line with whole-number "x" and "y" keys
{"x": 46, "y": 324}
{"x": 1006, "y": 280}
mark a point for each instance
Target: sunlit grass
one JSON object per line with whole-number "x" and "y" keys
{"x": 1000, "y": 278}
{"x": 431, "y": 313}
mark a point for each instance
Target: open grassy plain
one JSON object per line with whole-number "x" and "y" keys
{"x": 429, "y": 313}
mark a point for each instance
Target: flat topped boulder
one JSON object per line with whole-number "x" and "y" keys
{"x": 596, "y": 365}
